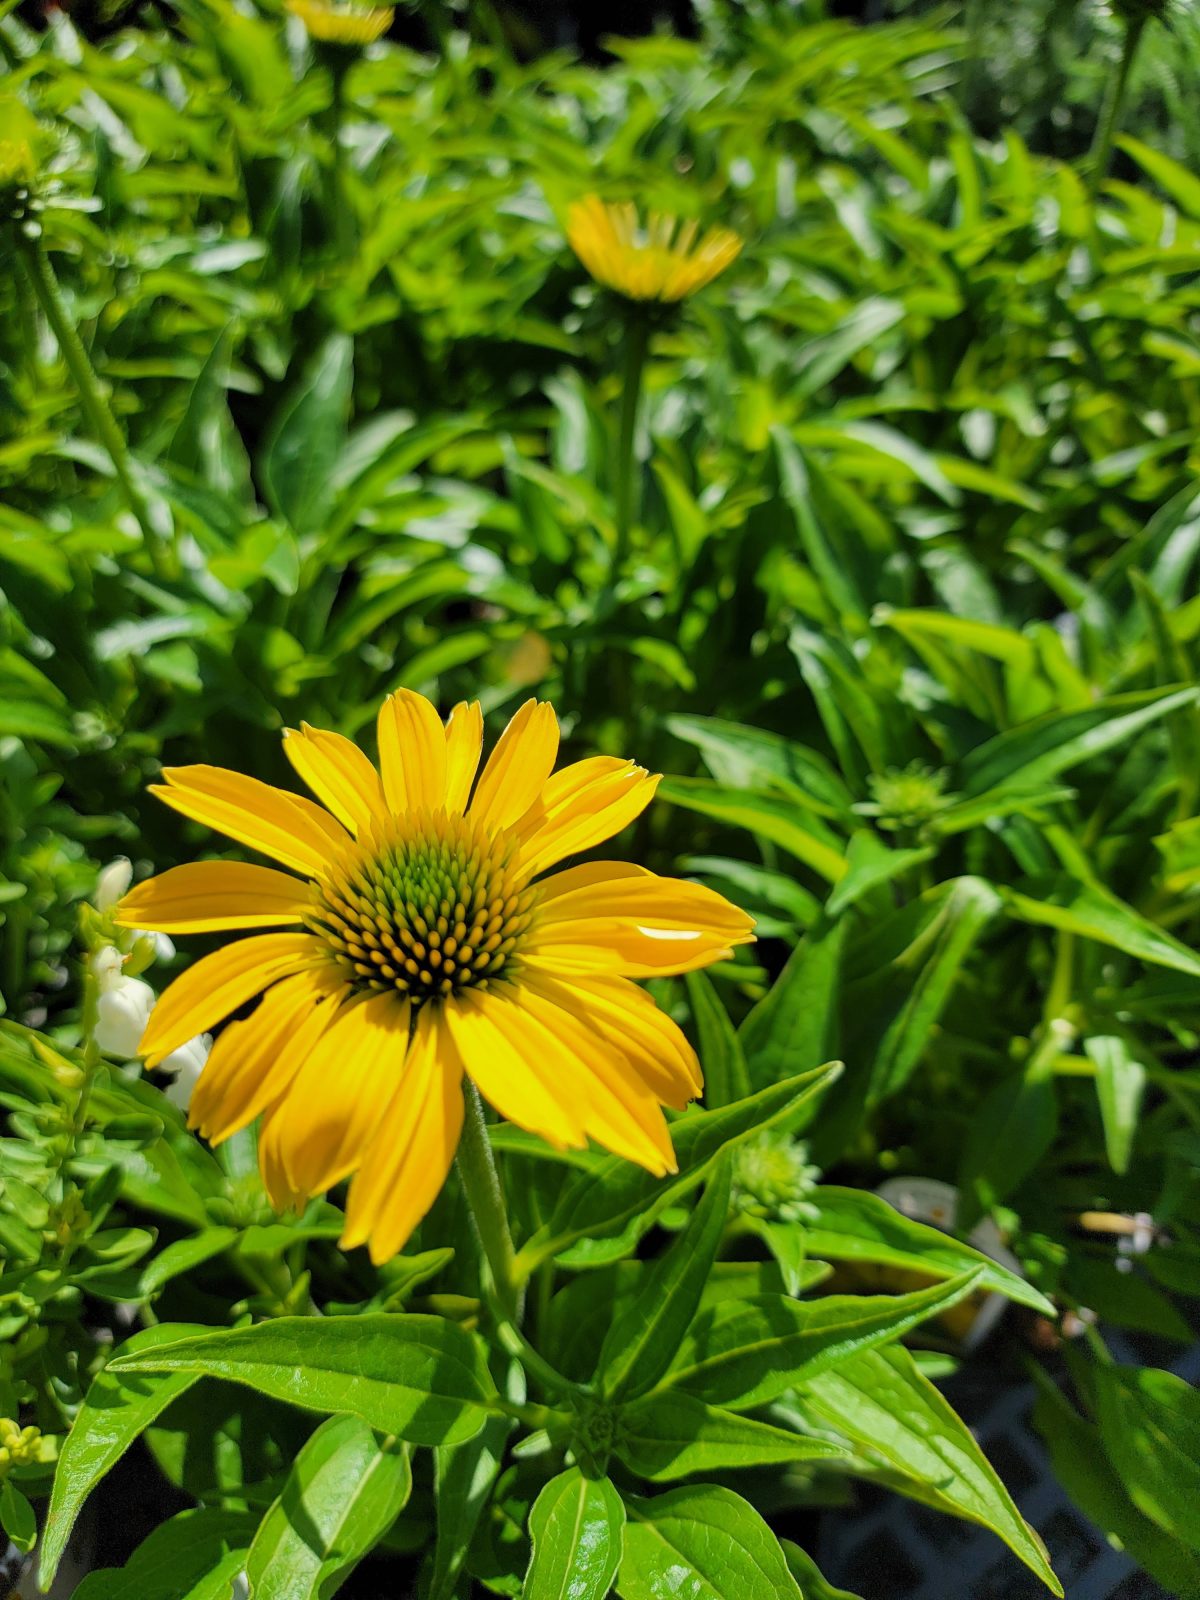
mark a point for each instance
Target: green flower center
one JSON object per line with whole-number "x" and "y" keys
{"x": 430, "y": 907}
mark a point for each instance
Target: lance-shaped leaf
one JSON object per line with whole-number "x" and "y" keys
{"x": 795, "y": 1026}
{"x": 117, "y": 1408}
{"x": 725, "y": 1076}
{"x": 853, "y": 1225}
{"x": 642, "y": 1341}
{"x": 196, "y": 1555}
{"x": 1087, "y": 909}
{"x": 701, "y": 1541}
{"x": 1150, "y": 1423}
{"x": 346, "y": 1488}
{"x": 1039, "y": 750}
{"x": 669, "y": 1435}
{"x": 605, "y": 1210}
{"x": 422, "y": 1378}
{"x": 745, "y": 1353}
{"x": 576, "y": 1525}
{"x": 907, "y": 1436}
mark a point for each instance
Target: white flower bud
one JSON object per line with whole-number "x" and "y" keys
{"x": 123, "y": 1011}
{"x": 112, "y": 883}
{"x": 187, "y": 1063}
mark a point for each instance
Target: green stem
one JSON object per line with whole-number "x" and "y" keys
{"x": 343, "y": 234}
{"x": 481, "y": 1181}
{"x": 1110, "y": 115}
{"x": 91, "y": 395}
{"x": 637, "y": 340}
{"x": 485, "y": 1199}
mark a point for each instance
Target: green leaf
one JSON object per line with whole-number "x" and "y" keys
{"x": 17, "y": 1517}
{"x": 1150, "y": 1423}
{"x": 746, "y": 1353}
{"x": 305, "y": 440}
{"x": 344, "y": 1491}
{"x": 1081, "y": 1465}
{"x": 806, "y": 1573}
{"x": 880, "y": 1403}
{"x": 576, "y": 1526}
{"x": 1059, "y": 901}
{"x": 768, "y": 816}
{"x": 704, "y": 1543}
{"x": 794, "y": 1027}
{"x": 422, "y": 1378}
{"x": 1120, "y": 1081}
{"x": 604, "y": 1211}
{"x": 751, "y": 758}
{"x": 1012, "y": 1130}
{"x": 853, "y": 1225}
{"x": 669, "y": 1435}
{"x": 725, "y": 1076}
{"x": 183, "y": 1255}
{"x": 904, "y": 972}
{"x": 642, "y": 1342}
{"x": 870, "y": 863}
{"x": 463, "y": 1476}
{"x": 116, "y": 1409}
{"x": 196, "y": 1555}
{"x": 1039, "y": 750}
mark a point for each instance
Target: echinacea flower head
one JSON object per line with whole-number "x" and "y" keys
{"x": 662, "y": 261}
{"x": 427, "y": 941}
{"x": 340, "y": 21}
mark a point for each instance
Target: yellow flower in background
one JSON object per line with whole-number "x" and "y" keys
{"x": 337, "y": 22}
{"x": 425, "y": 944}
{"x": 661, "y": 261}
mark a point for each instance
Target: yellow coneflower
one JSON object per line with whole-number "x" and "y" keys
{"x": 425, "y": 943}
{"x": 659, "y": 262}
{"x": 341, "y": 22}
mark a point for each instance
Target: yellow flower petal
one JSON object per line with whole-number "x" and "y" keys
{"x": 464, "y": 741}
{"x": 285, "y": 826}
{"x": 217, "y": 984}
{"x": 254, "y": 1061}
{"x": 519, "y": 1085}
{"x": 603, "y": 918}
{"x": 581, "y": 806}
{"x": 338, "y": 774}
{"x": 321, "y": 1128}
{"x": 631, "y": 1022}
{"x": 406, "y": 1163}
{"x": 617, "y": 1108}
{"x": 206, "y": 896}
{"x": 518, "y": 767}
{"x": 661, "y": 262}
{"x": 609, "y": 889}
{"x": 412, "y": 752}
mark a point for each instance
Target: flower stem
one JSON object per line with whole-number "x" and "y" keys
{"x": 637, "y": 341}
{"x": 1114, "y": 100}
{"x": 91, "y": 395}
{"x": 481, "y": 1181}
{"x": 485, "y": 1198}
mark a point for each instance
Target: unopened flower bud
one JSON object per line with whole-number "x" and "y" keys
{"x": 187, "y": 1063}
{"x": 112, "y": 883}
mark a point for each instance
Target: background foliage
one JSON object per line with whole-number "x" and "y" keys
{"x": 910, "y": 621}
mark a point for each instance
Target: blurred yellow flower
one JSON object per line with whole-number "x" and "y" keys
{"x": 661, "y": 261}
{"x": 426, "y": 945}
{"x": 339, "y": 22}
